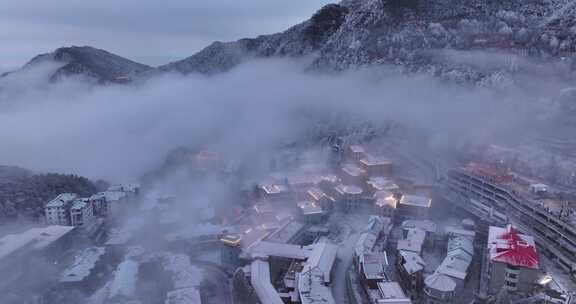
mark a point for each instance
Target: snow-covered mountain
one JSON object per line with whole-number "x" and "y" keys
{"x": 86, "y": 62}
{"x": 431, "y": 36}
{"x": 415, "y": 35}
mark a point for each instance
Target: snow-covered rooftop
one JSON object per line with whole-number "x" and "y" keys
{"x": 416, "y": 200}
{"x": 414, "y": 240}
{"x": 440, "y": 282}
{"x": 125, "y": 279}
{"x": 316, "y": 194}
{"x": 508, "y": 246}
{"x": 261, "y": 282}
{"x": 273, "y": 188}
{"x": 266, "y": 248}
{"x": 322, "y": 257}
{"x": 374, "y": 264}
{"x": 357, "y": 149}
{"x": 426, "y": 225}
{"x": 365, "y": 243}
{"x": 79, "y": 204}
{"x": 83, "y": 264}
{"x": 380, "y": 183}
{"x": 413, "y": 262}
{"x": 392, "y": 293}
{"x": 371, "y": 160}
{"x": 61, "y": 200}
{"x": 309, "y": 207}
{"x": 349, "y": 189}
{"x": 353, "y": 170}
{"x": 286, "y": 232}
{"x": 312, "y": 289}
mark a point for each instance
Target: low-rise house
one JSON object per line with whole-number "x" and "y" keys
{"x": 413, "y": 240}
{"x": 439, "y": 289}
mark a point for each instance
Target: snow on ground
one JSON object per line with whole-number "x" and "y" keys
{"x": 351, "y": 227}
{"x": 184, "y": 274}
{"x": 99, "y": 297}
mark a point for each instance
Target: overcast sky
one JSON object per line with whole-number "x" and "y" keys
{"x": 149, "y": 31}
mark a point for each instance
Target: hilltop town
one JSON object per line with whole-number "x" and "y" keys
{"x": 363, "y": 226}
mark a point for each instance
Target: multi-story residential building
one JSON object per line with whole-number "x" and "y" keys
{"x": 274, "y": 192}
{"x": 58, "y": 210}
{"x": 513, "y": 261}
{"x": 410, "y": 272}
{"x": 100, "y": 205}
{"x": 321, "y": 198}
{"x": 372, "y": 268}
{"x": 355, "y": 152}
{"x": 353, "y": 175}
{"x": 376, "y": 166}
{"x": 549, "y": 221}
{"x": 378, "y": 183}
{"x": 311, "y": 212}
{"x": 81, "y": 212}
{"x": 350, "y": 197}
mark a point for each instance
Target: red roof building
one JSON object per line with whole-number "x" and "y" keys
{"x": 508, "y": 246}
{"x": 514, "y": 261}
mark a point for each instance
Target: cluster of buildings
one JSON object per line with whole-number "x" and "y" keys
{"x": 448, "y": 280}
{"x": 302, "y": 258}
{"x": 360, "y": 182}
{"x": 372, "y": 265}
{"x": 500, "y": 196}
{"x": 280, "y": 265}
{"x": 68, "y": 209}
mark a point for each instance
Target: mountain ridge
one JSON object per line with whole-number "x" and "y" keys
{"x": 407, "y": 34}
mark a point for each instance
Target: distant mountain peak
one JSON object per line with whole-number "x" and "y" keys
{"x": 88, "y": 62}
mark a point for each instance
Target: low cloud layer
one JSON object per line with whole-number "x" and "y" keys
{"x": 120, "y": 132}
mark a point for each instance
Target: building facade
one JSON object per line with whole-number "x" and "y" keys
{"x": 58, "y": 210}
